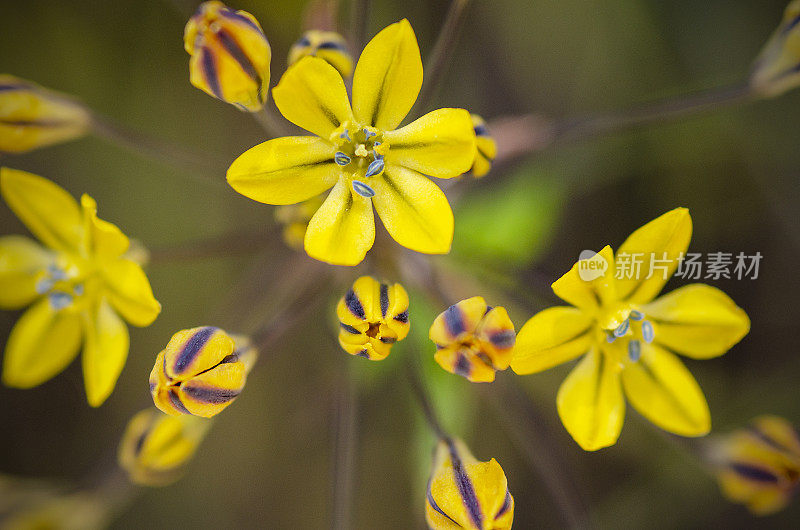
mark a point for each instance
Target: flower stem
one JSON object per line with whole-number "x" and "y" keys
{"x": 196, "y": 165}
{"x": 442, "y": 52}
{"x": 423, "y": 397}
{"x": 225, "y": 245}
{"x": 344, "y": 451}
{"x": 272, "y": 123}
{"x": 359, "y": 17}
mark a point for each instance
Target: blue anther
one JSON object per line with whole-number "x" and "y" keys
{"x": 341, "y": 158}
{"x": 375, "y": 167}
{"x": 368, "y": 134}
{"x": 346, "y": 135}
{"x": 648, "y": 333}
{"x": 634, "y": 350}
{"x": 362, "y": 189}
{"x": 44, "y": 285}
{"x": 636, "y": 315}
{"x": 78, "y": 289}
{"x": 59, "y": 300}
{"x": 56, "y": 272}
{"x": 622, "y": 328}
{"x": 610, "y": 338}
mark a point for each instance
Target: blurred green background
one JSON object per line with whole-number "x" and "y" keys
{"x": 268, "y": 461}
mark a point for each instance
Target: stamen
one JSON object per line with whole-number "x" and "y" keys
{"x": 78, "y": 289}
{"x": 56, "y": 272}
{"x": 59, "y": 300}
{"x": 362, "y": 189}
{"x": 610, "y": 338}
{"x": 346, "y": 135}
{"x": 341, "y": 158}
{"x": 648, "y": 333}
{"x": 44, "y": 285}
{"x": 368, "y": 134}
{"x": 636, "y": 315}
{"x": 634, "y": 350}
{"x": 375, "y": 167}
{"x": 622, "y": 329}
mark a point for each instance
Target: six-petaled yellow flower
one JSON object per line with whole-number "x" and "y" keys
{"x": 466, "y": 493}
{"x": 485, "y": 147}
{"x": 33, "y": 117}
{"x": 629, "y": 339}
{"x": 759, "y": 466}
{"x": 200, "y": 372}
{"x": 155, "y": 448}
{"x": 80, "y": 284}
{"x": 327, "y": 45}
{"x": 473, "y": 340}
{"x": 360, "y": 152}
{"x": 777, "y": 69}
{"x": 372, "y": 317}
{"x": 230, "y": 55}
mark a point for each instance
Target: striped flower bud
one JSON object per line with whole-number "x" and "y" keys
{"x": 466, "y": 493}
{"x": 327, "y": 45}
{"x": 156, "y": 448}
{"x": 759, "y": 466}
{"x": 473, "y": 340}
{"x": 777, "y": 68}
{"x": 32, "y": 116}
{"x": 230, "y": 55}
{"x": 372, "y": 317}
{"x": 200, "y": 372}
{"x": 485, "y": 147}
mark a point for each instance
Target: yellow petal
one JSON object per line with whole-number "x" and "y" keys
{"x": 414, "y": 210}
{"x": 22, "y": 261}
{"x": 590, "y": 402}
{"x": 661, "y": 388}
{"x": 130, "y": 293}
{"x": 343, "y": 229}
{"x": 697, "y": 320}
{"x": 49, "y": 212}
{"x": 664, "y": 238}
{"x": 104, "y": 352}
{"x": 42, "y": 343}
{"x": 551, "y": 337}
{"x": 285, "y": 170}
{"x": 311, "y": 95}
{"x": 104, "y": 240}
{"x": 439, "y": 144}
{"x": 589, "y": 282}
{"x": 388, "y": 77}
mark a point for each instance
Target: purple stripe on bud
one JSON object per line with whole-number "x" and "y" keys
{"x": 192, "y": 348}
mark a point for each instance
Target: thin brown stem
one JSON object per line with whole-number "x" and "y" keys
{"x": 423, "y": 397}
{"x": 359, "y": 18}
{"x": 272, "y": 122}
{"x": 344, "y": 452}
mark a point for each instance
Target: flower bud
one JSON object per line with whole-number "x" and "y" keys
{"x": 473, "y": 340}
{"x": 200, "y": 372}
{"x": 466, "y": 493}
{"x": 759, "y": 466}
{"x": 372, "y": 317}
{"x": 777, "y": 69}
{"x": 295, "y": 218}
{"x": 230, "y": 55}
{"x": 327, "y": 45}
{"x": 32, "y": 116}
{"x": 485, "y": 147}
{"x": 155, "y": 448}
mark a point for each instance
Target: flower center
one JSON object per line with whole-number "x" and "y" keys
{"x": 360, "y": 152}
{"x": 62, "y": 283}
{"x": 634, "y": 329}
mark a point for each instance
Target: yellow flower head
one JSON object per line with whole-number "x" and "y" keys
{"x": 759, "y": 466}
{"x": 33, "y": 117}
{"x": 295, "y": 218}
{"x": 473, "y": 339}
{"x": 629, "y": 339}
{"x": 155, "y": 448}
{"x": 327, "y": 45}
{"x": 372, "y": 317}
{"x": 360, "y": 152}
{"x": 777, "y": 69}
{"x": 466, "y": 493}
{"x": 81, "y": 286}
{"x": 485, "y": 147}
{"x": 200, "y": 372}
{"x": 230, "y": 55}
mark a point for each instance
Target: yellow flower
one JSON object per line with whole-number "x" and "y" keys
{"x": 327, "y": 45}
{"x": 230, "y": 55}
{"x": 81, "y": 287}
{"x": 33, "y": 117}
{"x": 200, "y": 372}
{"x": 630, "y": 340}
{"x": 372, "y": 317}
{"x": 155, "y": 448}
{"x": 361, "y": 153}
{"x": 777, "y": 68}
{"x": 759, "y": 466}
{"x": 485, "y": 147}
{"x": 466, "y": 493}
{"x": 473, "y": 340}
